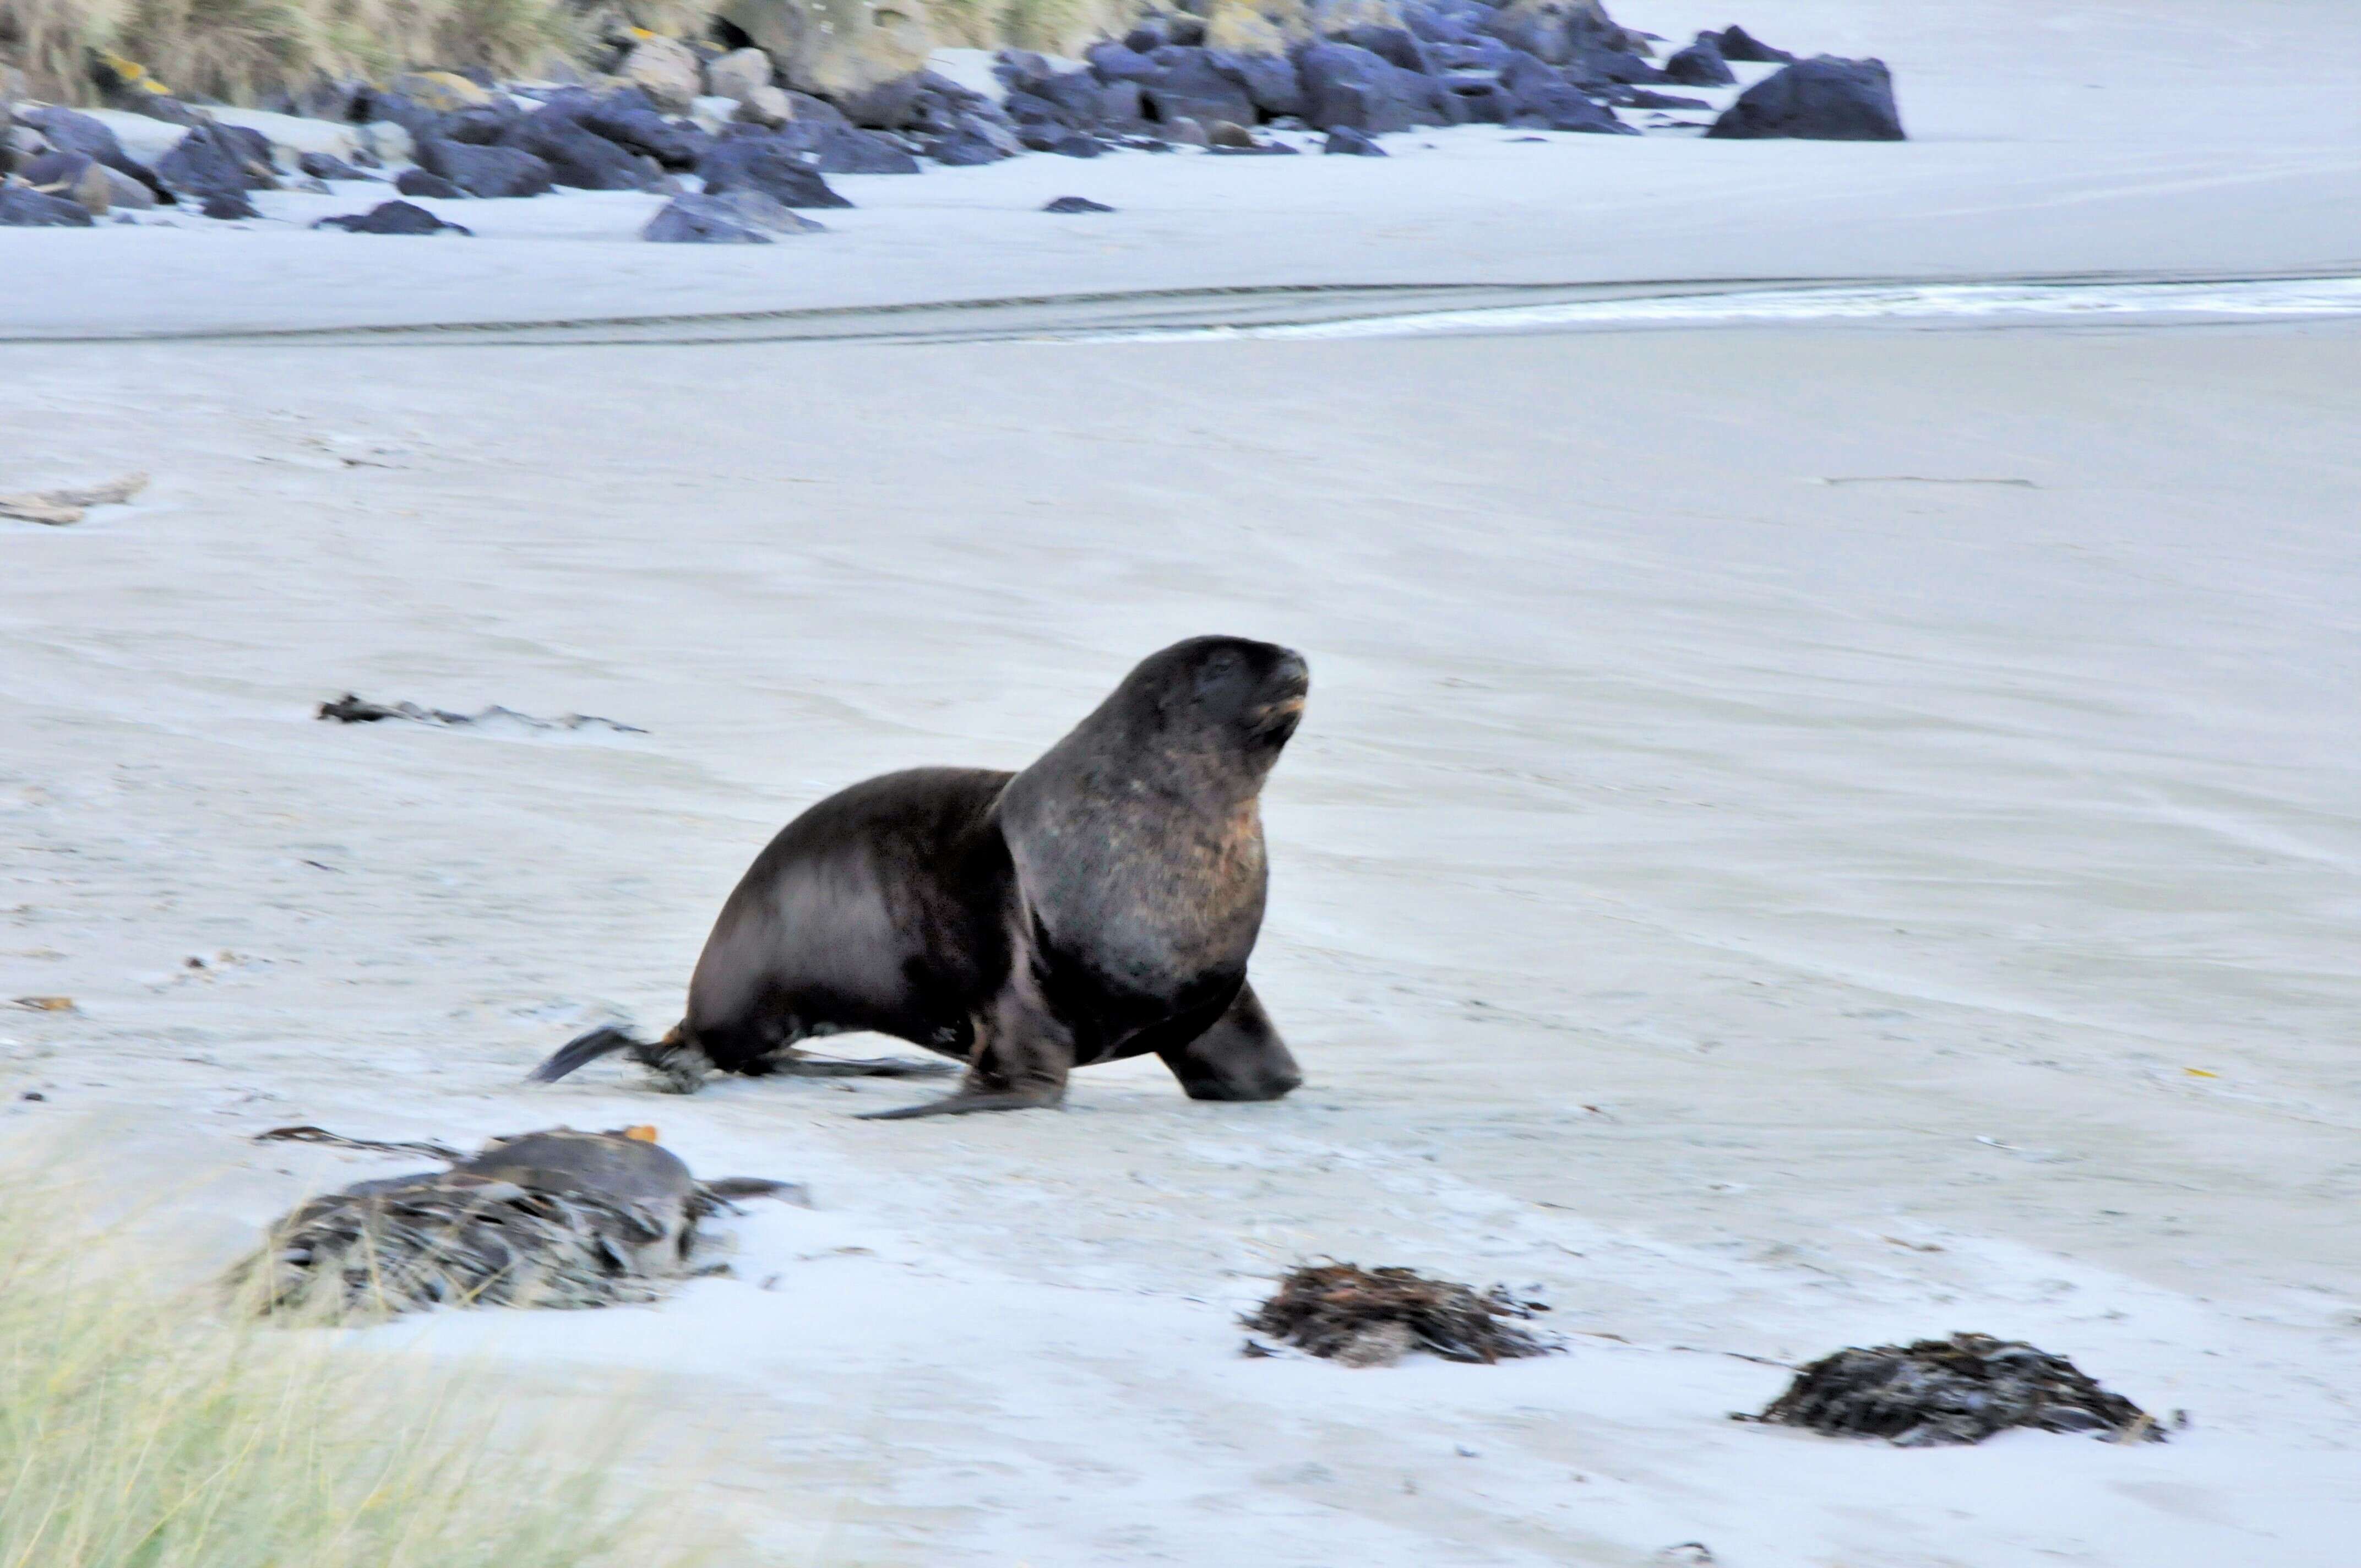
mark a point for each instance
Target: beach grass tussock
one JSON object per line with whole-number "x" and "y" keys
{"x": 150, "y": 1429}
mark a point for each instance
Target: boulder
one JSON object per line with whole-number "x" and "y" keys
{"x": 321, "y": 166}
{"x": 576, "y": 155}
{"x": 1270, "y": 82}
{"x": 1347, "y": 142}
{"x": 1395, "y": 46}
{"x": 226, "y": 205}
{"x": 126, "y": 194}
{"x": 965, "y": 147}
{"x": 392, "y": 217}
{"x": 1120, "y": 62}
{"x": 1735, "y": 43}
{"x": 753, "y": 207}
{"x": 738, "y": 74}
{"x": 1555, "y": 106}
{"x": 666, "y": 70}
{"x": 485, "y": 125}
{"x": 767, "y": 161}
{"x": 23, "y": 207}
{"x": 1061, "y": 140}
{"x": 486, "y": 172}
{"x": 1344, "y": 85}
{"x": 701, "y": 220}
{"x": 1821, "y": 99}
{"x": 1076, "y": 204}
{"x": 290, "y": 137}
{"x": 419, "y": 182}
{"x": 1194, "y": 85}
{"x": 765, "y": 105}
{"x": 1641, "y": 98}
{"x": 831, "y": 47}
{"x": 887, "y": 105}
{"x": 845, "y": 150}
{"x": 218, "y": 158}
{"x": 1700, "y": 65}
{"x": 627, "y": 119}
{"x": 78, "y": 177}
{"x": 70, "y": 131}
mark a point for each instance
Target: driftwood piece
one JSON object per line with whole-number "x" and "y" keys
{"x": 69, "y": 505}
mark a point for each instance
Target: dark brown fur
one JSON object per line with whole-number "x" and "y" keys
{"x": 1100, "y": 905}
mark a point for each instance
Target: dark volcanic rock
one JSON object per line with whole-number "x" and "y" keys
{"x": 576, "y": 155}
{"x": 1393, "y": 45}
{"x": 1347, "y": 141}
{"x": 23, "y": 207}
{"x": 422, "y": 182}
{"x": 1077, "y": 205}
{"x": 1061, "y": 141}
{"x": 484, "y": 170}
{"x": 1641, "y": 98}
{"x": 701, "y": 220}
{"x": 1735, "y": 43}
{"x": 483, "y": 125}
{"x": 1192, "y": 86}
{"x": 1272, "y": 82}
{"x": 628, "y": 120}
{"x": 69, "y": 131}
{"x": 767, "y": 162}
{"x": 844, "y": 150}
{"x": 890, "y": 105}
{"x": 963, "y": 148}
{"x": 1821, "y": 99}
{"x": 392, "y": 217}
{"x": 1958, "y": 1391}
{"x": 1555, "y": 107}
{"x": 1120, "y": 62}
{"x": 1700, "y": 65}
{"x": 226, "y": 205}
{"x": 327, "y": 166}
{"x": 1343, "y": 85}
{"x": 218, "y": 158}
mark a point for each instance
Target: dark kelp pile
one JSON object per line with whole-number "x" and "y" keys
{"x": 351, "y": 710}
{"x": 1956, "y": 1390}
{"x": 549, "y": 1219}
{"x": 1374, "y": 1317}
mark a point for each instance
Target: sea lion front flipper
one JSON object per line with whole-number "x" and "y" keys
{"x": 582, "y": 1050}
{"x": 1238, "y": 1057}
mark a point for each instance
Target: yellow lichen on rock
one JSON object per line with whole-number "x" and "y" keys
{"x": 441, "y": 90}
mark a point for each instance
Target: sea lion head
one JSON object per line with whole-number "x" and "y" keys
{"x": 1230, "y": 698}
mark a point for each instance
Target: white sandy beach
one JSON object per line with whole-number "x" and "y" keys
{"x": 1804, "y": 835}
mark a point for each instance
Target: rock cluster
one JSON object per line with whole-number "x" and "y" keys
{"x": 774, "y": 122}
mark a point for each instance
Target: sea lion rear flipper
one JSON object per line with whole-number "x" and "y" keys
{"x": 731, "y": 1188}
{"x": 584, "y": 1050}
{"x": 796, "y": 1064}
{"x": 962, "y": 1103}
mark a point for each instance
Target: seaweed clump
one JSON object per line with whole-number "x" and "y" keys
{"x": 552, "y": 1219}
{"x": 1374, "y": 1317}
{"x": 1956, "y": 1390}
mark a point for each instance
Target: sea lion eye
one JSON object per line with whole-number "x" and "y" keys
{"x": 1218, "y": 670}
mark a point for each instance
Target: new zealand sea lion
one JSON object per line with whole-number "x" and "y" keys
{"x": 1100, "y": 905}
